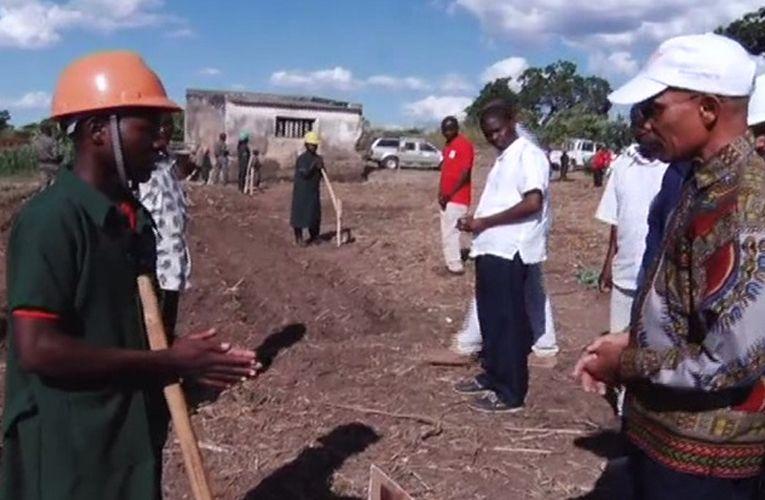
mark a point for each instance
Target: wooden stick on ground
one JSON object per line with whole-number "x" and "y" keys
{"x": 338, "y": 204}
{"x": 176, "y": 401}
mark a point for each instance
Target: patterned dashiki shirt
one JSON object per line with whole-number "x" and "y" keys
{"x": 164, "y": 198}
{"x": 699, "y": 324}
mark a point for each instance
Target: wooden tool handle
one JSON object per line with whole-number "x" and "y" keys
{"x": 176, "y": 401}
{"x": 337, "y": 204}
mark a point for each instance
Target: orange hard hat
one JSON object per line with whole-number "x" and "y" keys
{"x": 109, "y": 80}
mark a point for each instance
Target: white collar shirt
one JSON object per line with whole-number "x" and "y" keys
{"x": 630, "y": 190}
{"x": 519, "y": 169}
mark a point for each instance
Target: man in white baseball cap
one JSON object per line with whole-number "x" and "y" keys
{"x": 756, "y": 116}
{"x": 694, "y": 354}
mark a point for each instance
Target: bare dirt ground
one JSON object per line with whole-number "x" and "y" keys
{"x": 341, "y": 332}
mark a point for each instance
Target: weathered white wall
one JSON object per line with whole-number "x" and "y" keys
{"x": 339, "y": 131}
{"x": 205, "y": 120}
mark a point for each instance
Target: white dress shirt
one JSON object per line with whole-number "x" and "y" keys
{"x": 519, "y": 169}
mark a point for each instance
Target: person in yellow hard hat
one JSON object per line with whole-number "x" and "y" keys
{"x": 84, "y": 417}
{"x": 306, "y": 198}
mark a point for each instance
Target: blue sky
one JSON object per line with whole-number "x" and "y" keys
{"x": 407, "y": 61}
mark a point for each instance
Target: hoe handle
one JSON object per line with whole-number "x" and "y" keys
{"x": 176, "y": 401}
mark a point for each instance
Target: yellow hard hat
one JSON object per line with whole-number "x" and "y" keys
{"x": 312, "y": 138}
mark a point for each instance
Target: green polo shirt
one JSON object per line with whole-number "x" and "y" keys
{"x": 72, "y": 253}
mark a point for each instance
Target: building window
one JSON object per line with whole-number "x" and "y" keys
{"x": 293, "y": 128}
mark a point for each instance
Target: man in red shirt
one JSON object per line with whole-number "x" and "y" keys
{"x": 600, "y": 163}
{"x": 454, "y": 190}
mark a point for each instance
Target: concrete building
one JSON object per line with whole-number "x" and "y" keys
{"x": 276, "y": 123}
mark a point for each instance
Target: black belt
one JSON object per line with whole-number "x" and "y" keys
{"x": 663, "y": 398}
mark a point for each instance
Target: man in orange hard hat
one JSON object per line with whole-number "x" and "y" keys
{"x": 84, "y": 415}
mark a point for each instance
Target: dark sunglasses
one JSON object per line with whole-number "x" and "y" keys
{"x": 650, "y": 109}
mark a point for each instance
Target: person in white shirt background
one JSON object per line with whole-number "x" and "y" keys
{"x": 633, "y": 184}
{"x": 467, "y": 341}
{"x": 510, "y": 227}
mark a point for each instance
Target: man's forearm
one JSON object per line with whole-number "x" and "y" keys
{"x": 54, "y": 355}
{"x": 611, "y": 252}
{"x": 529, "y": 206}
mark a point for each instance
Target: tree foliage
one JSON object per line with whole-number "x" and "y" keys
{"x": 558, "y": 103}
{"x": 558, "y": 88}
{"x": 179, "y": 126}
{"x": 498, "y": 89}
{"x": 5, "y": 118}
{"x": 749, "y": 31}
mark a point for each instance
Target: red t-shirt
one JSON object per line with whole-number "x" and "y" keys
{"x": 458, "y": 158}
{"x": 601, "y": 160}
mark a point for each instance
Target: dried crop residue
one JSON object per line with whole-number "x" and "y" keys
{"x": 341, "y": 332}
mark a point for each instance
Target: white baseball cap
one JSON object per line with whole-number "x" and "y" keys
{"x": 757, "y": 102}
{"x": 708, "y": 63}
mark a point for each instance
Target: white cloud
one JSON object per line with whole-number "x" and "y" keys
{"x": 434, "y": 108}
{"x": 618, "y": 21}
{"x": 31, "y": 24}
{"x": 36, "y": 99}
{"x": 623, "y": 29}
{"x": 209, "y": 71}
{"x": 512, "y": 68}
{"x": 334, "y": 78}
{"x": 181, "y": 33}
{"x": 455, "y": 83}
{"x": 620, "y": 63}
{"x": 340, "y": 78}
{"x": 396, "y": 83}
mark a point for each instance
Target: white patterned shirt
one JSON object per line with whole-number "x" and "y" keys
{"x": 164, "y": 198}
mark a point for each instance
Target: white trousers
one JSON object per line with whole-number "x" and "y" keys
{"x": 450, "y": 235}
{"x": 621, "y": 308}
{"x": 219, "y": 173}
{"x": 538, "y": 307}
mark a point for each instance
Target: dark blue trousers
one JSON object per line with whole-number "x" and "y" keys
{"x": 505, "y": 329}
{"x": 653, "y": 481}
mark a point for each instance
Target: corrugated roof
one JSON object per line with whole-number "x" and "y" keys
{"x": 277, "y": 100}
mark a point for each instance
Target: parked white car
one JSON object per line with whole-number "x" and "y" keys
{"x": 580, "y": 151}
{"x": 395, "y": 152}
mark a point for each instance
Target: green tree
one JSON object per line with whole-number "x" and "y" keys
{"x": 557, "y": 103}
{"x": 558, "y": 88}
{"x": 5, "y": 118}
{"x": 749, "y": 31}
{"x": 498, "y": 89}
{"x": 179, "y": 126}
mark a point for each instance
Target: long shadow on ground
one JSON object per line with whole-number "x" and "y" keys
{"x": 266, "y": 353}
{"x": 278, "y": 342}
{"x": 614, "y": 482}
{"x": 310, "y": 474}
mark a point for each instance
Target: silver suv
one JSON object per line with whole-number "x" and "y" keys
{"x": 395, "y": 152}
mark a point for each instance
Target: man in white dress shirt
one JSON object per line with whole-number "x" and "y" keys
{"x": 510, "y": 227}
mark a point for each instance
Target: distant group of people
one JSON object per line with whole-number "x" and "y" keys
{"x": 216, "y": 170}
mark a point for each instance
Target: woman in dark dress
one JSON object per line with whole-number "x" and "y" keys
{"x": 306, "y": 200}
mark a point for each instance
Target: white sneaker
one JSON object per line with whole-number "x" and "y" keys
{"x": 545, "y": 352}
{"x": 465, "y": 349}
